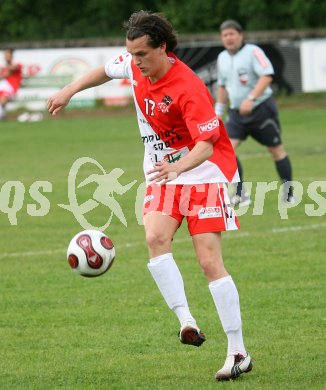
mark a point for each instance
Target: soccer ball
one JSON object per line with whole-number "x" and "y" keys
{"x": 90, "y": 253}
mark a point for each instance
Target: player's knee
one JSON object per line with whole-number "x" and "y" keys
{"x": 278, "y": 152}
{"x": 157, "y": 239}
{"x": 212, "y": 267}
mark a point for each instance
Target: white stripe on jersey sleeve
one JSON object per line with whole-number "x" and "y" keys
{"x": 119, "y": 67}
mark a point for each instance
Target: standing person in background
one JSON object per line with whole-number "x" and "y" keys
{"x": 10, "y": 81}
{"x": 244, "y": 78}
{"x": 188, "y": 159}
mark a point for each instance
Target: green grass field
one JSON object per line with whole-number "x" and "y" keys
{"x": 60, "y": 330}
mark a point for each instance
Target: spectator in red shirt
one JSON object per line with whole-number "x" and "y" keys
{"x": 10, "y": 81}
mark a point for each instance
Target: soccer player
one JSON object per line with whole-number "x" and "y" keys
{"x": 244, "y": 78}
{"x": 10, "y": 81}
{"x": 188, "y": 159}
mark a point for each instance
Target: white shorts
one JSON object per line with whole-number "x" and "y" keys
{"x": 6, "y": 89}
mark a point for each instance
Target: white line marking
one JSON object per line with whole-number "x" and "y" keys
{"x": 296, "y": 228}
{"x": 135, "y": 244}
{"x": 31, "y": 253}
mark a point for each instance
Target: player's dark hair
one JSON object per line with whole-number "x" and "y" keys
{"x": 155, "y": 25}
{"x": 231, "y": 24}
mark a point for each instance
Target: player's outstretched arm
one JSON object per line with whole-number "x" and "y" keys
{"x": 92, "y": 79}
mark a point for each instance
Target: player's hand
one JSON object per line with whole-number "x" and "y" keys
{"x": 58, "y": 101}
{"x": 163, "y": 172}
{"x": 246, "y": 107}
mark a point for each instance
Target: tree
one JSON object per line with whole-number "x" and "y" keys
{"x": 26, "y": 20}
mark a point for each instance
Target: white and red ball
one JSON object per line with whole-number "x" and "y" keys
{"x": 90, "y": 253}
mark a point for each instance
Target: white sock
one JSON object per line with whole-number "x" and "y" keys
{"x": 168, "y": 278}
{"x": 226, "y": 299}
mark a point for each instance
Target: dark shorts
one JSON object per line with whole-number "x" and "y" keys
{"x": 262, "y": 124}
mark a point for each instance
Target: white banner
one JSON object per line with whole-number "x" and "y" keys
{"x": 313, "y": 65}
{"x": 47, "y": 70}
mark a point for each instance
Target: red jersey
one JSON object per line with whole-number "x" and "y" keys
{"x": 174, "y": 114}
{"x": 15, "y": 78}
